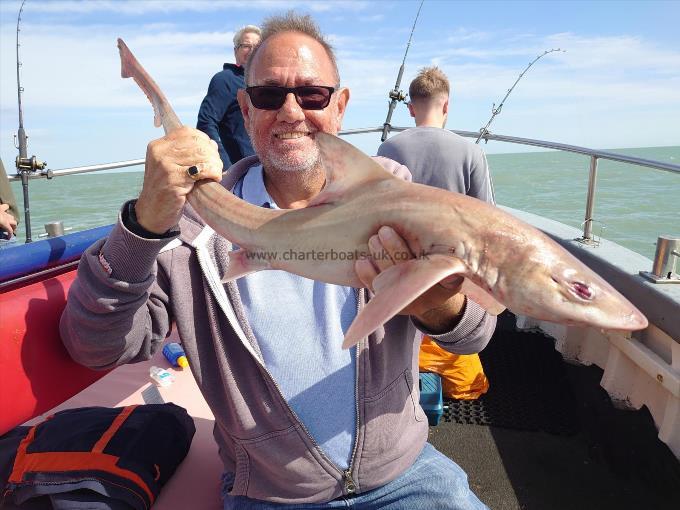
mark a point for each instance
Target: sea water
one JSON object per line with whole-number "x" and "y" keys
{"x": 633, "y": 205}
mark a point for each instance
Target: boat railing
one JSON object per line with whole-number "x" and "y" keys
{"x": 595, "y": 156}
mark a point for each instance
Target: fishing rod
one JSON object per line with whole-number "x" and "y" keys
{"x": 483, "y": 132}
{"x": 397, "y": 95}
{"x": 25, "y": 165}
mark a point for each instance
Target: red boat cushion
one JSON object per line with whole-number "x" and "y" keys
{"x": 36, "y": 371}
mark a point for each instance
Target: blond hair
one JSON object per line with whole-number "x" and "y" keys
{"x": 248, "y": 29}
{"x": 429, "y": 83}
{"x": 292, "y": 22}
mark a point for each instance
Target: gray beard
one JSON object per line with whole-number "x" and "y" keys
{"x": 282, "y": 163}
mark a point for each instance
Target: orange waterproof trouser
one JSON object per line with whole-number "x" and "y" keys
{"x": 462, "y": 374}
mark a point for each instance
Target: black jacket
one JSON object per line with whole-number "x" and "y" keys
{"x": 220, "y": 116}
{"x": 95, "y": 457}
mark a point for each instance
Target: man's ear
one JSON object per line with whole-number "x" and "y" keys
{"x": 242, "y": 98}
{"x": 343, "y": 99}
{"x": 411, "y": 110}
{"x": 445, "y": 108}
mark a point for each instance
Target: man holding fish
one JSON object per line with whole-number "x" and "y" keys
{"x": 298, "y": 419}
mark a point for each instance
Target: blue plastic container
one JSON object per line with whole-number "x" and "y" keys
{"x": 175, "y": 355}
{"x": 431, "y": 399}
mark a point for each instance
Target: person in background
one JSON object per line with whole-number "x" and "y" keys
{"x": 298, "y": 420}
{"x": 9, "y": 215}
{"x": 220, "y": 116}
{"x": 437, "y": 157}
{"x": 434, "y": 155}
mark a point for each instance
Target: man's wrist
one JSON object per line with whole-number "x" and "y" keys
{"x": 132, "y": 224}
{"x": 444, "y": 318}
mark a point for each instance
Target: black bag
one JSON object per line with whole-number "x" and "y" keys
{"x": 95, "y": 457}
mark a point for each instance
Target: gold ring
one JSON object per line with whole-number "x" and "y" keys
{"x": 194, "y": 172}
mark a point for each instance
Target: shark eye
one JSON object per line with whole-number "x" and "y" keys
{"x": 581, "y": 290}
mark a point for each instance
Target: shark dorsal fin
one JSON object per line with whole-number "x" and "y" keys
{"x": 346, "y": 168}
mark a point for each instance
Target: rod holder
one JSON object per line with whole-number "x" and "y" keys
{"x": 54, "y": 228}
{"x": 590, "y": 202}
{"x": 665, "y": 265}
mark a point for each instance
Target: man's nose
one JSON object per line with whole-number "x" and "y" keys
{"x": 290, "y": 110}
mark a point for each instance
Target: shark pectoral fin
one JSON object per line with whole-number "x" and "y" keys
{"x": 482, "y": 298}
{"x": 395, "y": 288}
{"x": 241, "y": 263}
{"x": 346, "y": 167}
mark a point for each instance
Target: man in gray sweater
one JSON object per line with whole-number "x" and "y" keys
{"x": 298, "y": 419}
{"x": 434, "y": 155}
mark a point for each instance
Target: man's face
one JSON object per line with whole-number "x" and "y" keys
{"x": 284, "y": 138}
{"x": 248, "y": 41}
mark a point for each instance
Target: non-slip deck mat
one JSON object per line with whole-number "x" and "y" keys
{"x": 528, "y": 388}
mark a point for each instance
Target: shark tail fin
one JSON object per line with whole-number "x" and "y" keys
{"x": 162, "y": 111}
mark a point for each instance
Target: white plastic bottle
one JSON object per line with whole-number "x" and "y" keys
{"x": 161, "y": 376}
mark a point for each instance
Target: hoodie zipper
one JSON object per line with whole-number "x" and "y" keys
{"x": 350, "y": 485}
{"x": 348, "y": 482}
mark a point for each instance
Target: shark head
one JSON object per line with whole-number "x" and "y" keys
{"x": 564, "y": 290}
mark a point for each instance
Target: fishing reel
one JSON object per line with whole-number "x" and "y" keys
{"x": 31, "y": 164}
{"x": 397, "y": 95}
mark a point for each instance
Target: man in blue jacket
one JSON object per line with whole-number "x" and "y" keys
{"x": 220, "y": 116}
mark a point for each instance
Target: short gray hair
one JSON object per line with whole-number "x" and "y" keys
{"x": 292, "y": 22}
{"x": 248, "y": 29}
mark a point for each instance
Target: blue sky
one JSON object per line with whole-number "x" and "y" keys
{"x": 617, "y": 85}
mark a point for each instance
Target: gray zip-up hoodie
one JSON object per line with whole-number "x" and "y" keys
{"x": 128, "y": 293}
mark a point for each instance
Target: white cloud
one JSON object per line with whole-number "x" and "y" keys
{"x": 612, "y": 69}
{"x": 78, "y": 75}
{"x": 372, "y": 19}
{"x": 139, "y": 7}
{"x": 461, "y": 34}
{"x": 582, "y": 96}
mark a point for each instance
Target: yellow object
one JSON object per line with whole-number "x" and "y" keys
{"x": 182, "y": 361}
{"x": 462, "y": 375}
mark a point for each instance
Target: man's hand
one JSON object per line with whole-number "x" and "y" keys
{"x": 166, "y": 182}
{"x": 438, "y": 309}
{"x": 7, "y": 222}
{"x": 396, "y": 169}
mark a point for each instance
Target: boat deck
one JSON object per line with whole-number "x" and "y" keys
{"x": 548, "y": 437}
{"x": 545, "y": 436}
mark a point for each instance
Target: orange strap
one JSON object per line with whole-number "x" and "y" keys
{"x": 106, "y": 436}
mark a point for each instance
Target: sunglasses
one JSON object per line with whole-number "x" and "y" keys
{"x": 272, "y": 97}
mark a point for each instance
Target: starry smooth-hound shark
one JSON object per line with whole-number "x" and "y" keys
{"x": 504, "y": 261}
